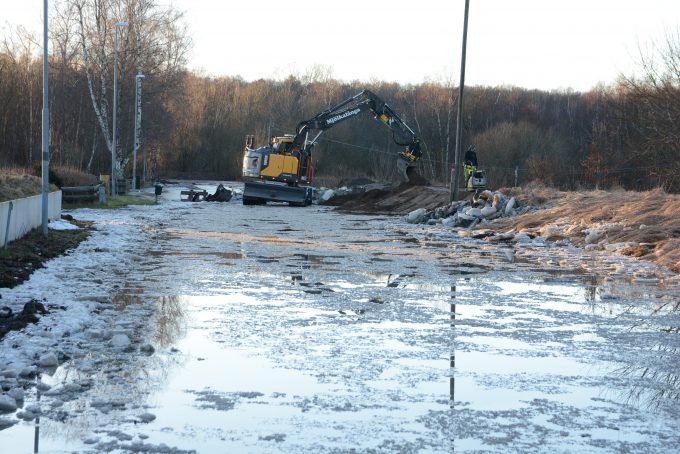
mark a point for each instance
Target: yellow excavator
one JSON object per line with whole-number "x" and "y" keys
{"x": 283, "y": 170}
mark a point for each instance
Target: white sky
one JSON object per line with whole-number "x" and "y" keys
{"x": 546, "y": 44}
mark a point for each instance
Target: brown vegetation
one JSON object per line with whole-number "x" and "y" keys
{"x": 650, "y": 221}
{"x": 72, "y": 176}
{"x": 17, "y": 184}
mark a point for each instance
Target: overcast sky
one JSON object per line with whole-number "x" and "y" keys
{"x": 546, "y": 44}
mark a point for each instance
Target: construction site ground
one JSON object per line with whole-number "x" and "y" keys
{"x": 649, "y": 220}
{"x": 184, "y": 327}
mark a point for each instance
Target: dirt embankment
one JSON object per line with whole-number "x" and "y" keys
{"x": 399, "y": 200}
{"x": 648, "y": 221}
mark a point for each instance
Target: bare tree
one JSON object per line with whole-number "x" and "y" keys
{"x": 155, "y": 42}
{"x": 657, "y": 101}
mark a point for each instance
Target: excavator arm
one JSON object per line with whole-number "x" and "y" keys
{"x": 366, "y": 101}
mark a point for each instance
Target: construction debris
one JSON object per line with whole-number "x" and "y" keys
{"x": 196, "y": 194}
{"x": 221, "y": 194}
{"x": 483, "y": 207}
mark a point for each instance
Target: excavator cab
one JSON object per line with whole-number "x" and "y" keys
{"x": 276, "y": 162}
{"x": 276, "y": 173}
{"x": 282, "y": 145}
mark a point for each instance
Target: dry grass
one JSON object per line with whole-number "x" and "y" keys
{"x": 18, "y": 183}
{"x": 651, "y": 219}
{"x": 534, "y": 194}
{"x": 71, "y": 176}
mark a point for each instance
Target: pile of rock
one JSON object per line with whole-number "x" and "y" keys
{"x": 324, "y": 195}
{"x": 483, "y": 207}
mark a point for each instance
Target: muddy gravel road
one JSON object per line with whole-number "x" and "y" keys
{"x": 219, "y": 328}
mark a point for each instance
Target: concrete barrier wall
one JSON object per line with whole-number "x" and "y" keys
{"x": 26, "y": 215}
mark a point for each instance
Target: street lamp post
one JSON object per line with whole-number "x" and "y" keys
{"x": 45, "y": 132}
{"x": 115, "y": 110}
{"x": 453, "y": 195}
{"x": 138, "y": 124}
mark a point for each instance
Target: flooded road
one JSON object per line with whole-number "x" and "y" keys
{"x": 279, "y": 329}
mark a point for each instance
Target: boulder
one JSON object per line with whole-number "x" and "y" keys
{"x": 5, "y": 423}
{"x": 26, "y": 415}
{"x": 326, "y": 196}
{"x": 486, "y": 195}
{"x": 593, "y": 236}
{"x": 450, "y": 221}
{"x": 416, "y": 216}
{"x": 147, "y": 417}
{"x": 474, "y": 212}
{"x": 48, "y": 360}
{"x": 7, "y": 404}
{"x": 510, "y": 206}
{"x": 497, "y": 199}
{"x": 120, "y": 341}
{"x": 522, "y": 238}
{"x": 28, "y": 372}
{"x": 10, "y": 373}
{"x": 147, "y": 348}
{"x": 16, "y": 393}
{"x": 488, "y": 211}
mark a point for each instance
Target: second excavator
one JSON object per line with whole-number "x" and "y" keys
{"x": 283, "y": 171}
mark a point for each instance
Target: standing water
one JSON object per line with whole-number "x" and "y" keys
{"x": 279, "y": 329}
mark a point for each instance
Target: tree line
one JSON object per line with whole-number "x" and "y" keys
{"x": 625, "y": 134}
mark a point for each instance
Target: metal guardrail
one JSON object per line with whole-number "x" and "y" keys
{"x": 75, "y": 194}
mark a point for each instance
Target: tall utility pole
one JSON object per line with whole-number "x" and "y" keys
{"x": 459, "y": 119}
{"x": 45, "y": 132}
{"x": 114, "y": 147}
{"x": 138, "y": 124}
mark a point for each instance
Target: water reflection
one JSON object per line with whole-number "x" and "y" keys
{"x": 105, "y": 381}
{"x": 36, "y": 436}
{"x": 655, "y": 376}
{"x": 655, "y": 385}
{"x": 452, "y": 359}
{"x": 170, "y": 321}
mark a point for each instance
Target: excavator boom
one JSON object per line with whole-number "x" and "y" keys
{"x": 364, "y": 101}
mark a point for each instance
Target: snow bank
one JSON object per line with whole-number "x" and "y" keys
{"x": 60, "y": 224}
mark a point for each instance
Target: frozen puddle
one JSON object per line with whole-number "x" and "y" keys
{"x": 339, "y": 335}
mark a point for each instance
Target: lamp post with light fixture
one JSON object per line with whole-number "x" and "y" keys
{"x": 138, "y": 124}
{"x": 115, "y": 110}
{"x": 453, "y": 190}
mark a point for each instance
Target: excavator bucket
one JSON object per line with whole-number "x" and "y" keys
{"x": 404, "y": 168}
{"x": 409, "y": 173}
